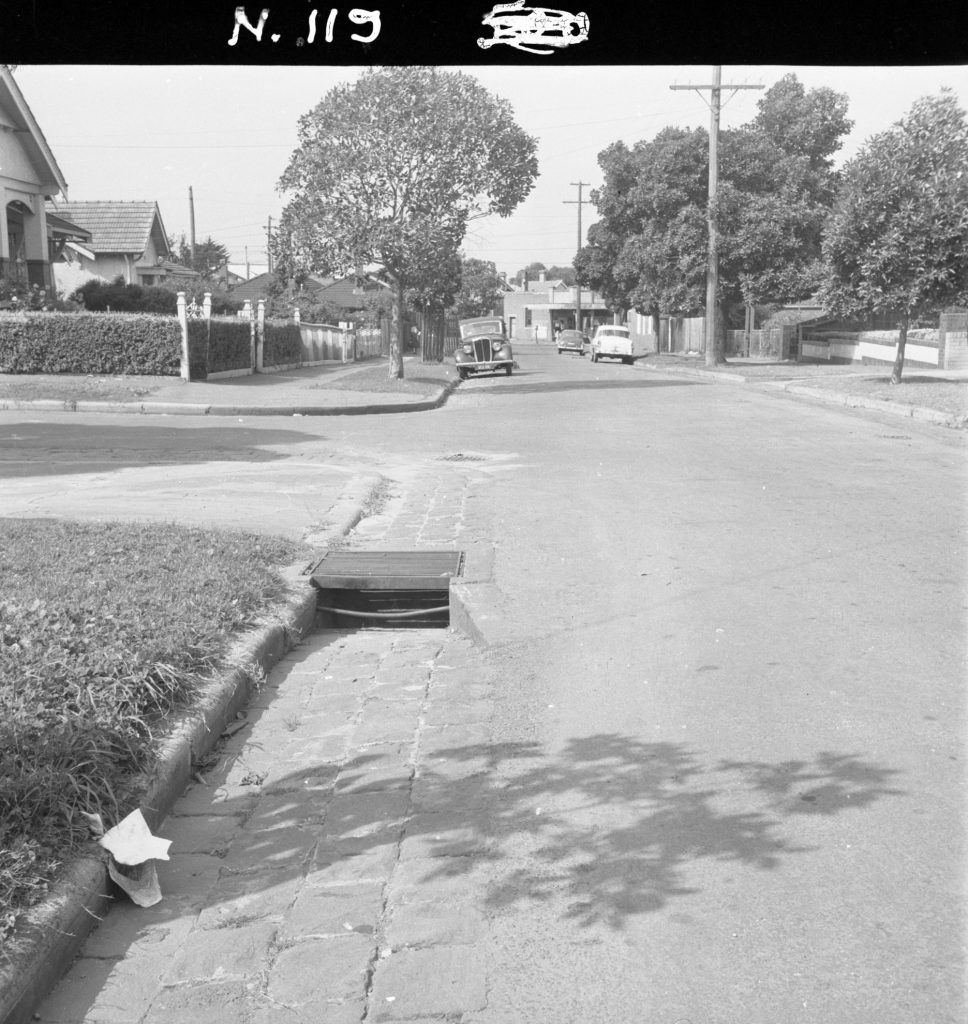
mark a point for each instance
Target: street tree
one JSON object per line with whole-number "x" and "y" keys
{"x": 480, "y": 289}
{"x": 776, "y": 186}
{"x": 389, "y": 171}
{"x": 530, "y": 273}
{"x": 897, "y": 240}
{"x": 210, "y": 256}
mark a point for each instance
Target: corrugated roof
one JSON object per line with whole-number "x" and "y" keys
{"x": 114, "y": 226}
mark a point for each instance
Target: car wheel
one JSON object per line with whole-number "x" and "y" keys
{"x": 507, "y": 370}
{"x": 462, "y": 374}
{"x": 627, "y": 360}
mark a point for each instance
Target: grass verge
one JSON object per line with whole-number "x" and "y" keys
{"x": 423, "y": 379}
{"x": 105, "y": 630}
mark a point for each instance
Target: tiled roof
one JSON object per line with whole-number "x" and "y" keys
{"x": 114, "y": 226}
{"x": 178, "y": 269}
{"x": 254, "y": 288}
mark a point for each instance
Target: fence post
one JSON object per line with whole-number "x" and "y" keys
{"x": 183, "y": 323}
{"x": 296, "y": 315}
{"x": 260, "y": 335}
{"x": 207, "y": 306}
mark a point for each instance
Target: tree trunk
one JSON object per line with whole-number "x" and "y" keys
{"x": 901, "y": 344}
{"x": 395, "y": 364}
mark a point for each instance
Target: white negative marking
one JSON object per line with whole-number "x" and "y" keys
{"x": 517, "y": 26}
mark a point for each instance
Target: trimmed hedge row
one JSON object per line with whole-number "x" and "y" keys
{"x": 229, "y": 345}
{"x": 282, "y": 343}
{"x": 118, "y": 343}
{"x": 197, "y": 349}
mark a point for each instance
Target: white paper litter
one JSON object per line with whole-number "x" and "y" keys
{"x": 133, "y": 851}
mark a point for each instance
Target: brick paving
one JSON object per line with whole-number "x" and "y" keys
{"x": 331, "y": 867}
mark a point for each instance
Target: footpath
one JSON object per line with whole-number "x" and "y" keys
{"x": 931, "y": 396}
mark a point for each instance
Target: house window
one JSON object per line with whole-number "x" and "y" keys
{"x": 527, "y": 316}
{"x": 148, "y": 279}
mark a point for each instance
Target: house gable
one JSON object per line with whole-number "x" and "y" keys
{"x": 26, "y": 156}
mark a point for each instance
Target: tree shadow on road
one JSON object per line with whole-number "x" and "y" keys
{"x": 69, "y": 446}
{"x": 614, "y": 825}
{"x": 552, "y": 386}
{"x": 611, "y": 826}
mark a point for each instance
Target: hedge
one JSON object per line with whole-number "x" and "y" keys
{"x": 197, "y": 349}
{"x": 117, "y": 343}
{"x": 229, "y": 345}
{"x": 282, "y": 344}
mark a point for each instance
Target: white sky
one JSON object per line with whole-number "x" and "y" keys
{"x": 137, "y": 133}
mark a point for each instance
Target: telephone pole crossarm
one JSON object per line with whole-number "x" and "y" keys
{"x": 579, "y": 202}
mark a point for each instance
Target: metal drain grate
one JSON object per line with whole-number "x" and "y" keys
{"x": 385, "y": 589}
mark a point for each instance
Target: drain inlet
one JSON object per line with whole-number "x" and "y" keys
{"x": 385, "y": 589}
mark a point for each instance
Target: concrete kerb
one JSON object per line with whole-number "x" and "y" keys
{"x": 819, "y": 394}
{"x": 50, "y": 935}
{"x": 200, "y": 409}
{"x": 846, "y": 400}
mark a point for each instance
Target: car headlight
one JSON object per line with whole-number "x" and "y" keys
{"x": 468, "y": 350}
{"x": 496, "y": 346}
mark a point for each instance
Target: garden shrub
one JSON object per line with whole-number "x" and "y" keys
{"x": 282, "y": 344}
{"x": 229, "y": 345}
{"x": 118, "y": 343}
{"x": 20, "y": 297}
{"x": 118, "y": 297}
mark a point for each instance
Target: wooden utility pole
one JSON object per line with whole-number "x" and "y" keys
{"x": 711, "y": 334}
{"x": 269, "y": 244}
{"x": 578, "y": 202}
{"x": 191, "y": 223}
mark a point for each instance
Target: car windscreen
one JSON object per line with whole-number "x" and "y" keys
{"x": 481, "y": 327}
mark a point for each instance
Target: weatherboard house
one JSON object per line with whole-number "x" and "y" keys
{"x": 30, "y": 239}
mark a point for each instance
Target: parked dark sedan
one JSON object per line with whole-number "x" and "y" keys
{"x": 483, "y": 348}
{"x": 573, "y": 341}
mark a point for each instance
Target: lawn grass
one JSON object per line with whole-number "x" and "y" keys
{"x": 105, "y": 630}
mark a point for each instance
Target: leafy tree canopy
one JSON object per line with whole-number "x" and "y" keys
{"x": 775, "y": 188}
{"x": 553, "y": 273}
{"x": 209, "y": 257}
{"x": 390, "y": 170}
{"x": 897, "y": 239}
{"x": 480, "y": 289}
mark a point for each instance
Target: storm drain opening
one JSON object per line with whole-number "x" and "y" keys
{"x": 385, "y": 589}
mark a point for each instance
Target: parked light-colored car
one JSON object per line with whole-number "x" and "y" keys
{"x": 615, "y": 341}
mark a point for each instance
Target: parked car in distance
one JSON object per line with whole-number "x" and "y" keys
{"x": 573, "y": 341}
{"x": 483, "y": 347}
{"x": 615, "y": 341}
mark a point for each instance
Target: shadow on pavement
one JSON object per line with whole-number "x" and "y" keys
{"x": 548, "y": 387}
{"x": 611, "y": 826}
{"x": 59, "y": 448}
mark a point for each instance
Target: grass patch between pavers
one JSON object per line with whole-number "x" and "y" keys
{"x": 106, "y": 629}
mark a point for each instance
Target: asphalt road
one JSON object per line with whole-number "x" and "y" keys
{"x": 730, "y": 634}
